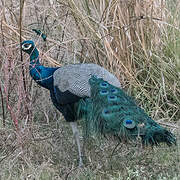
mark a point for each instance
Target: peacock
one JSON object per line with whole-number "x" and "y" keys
{"x": 90, "y": 92}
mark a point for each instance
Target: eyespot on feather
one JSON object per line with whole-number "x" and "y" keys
{"x": 104, "y": 85}
{"x": 114, "y": 91}
{"x": 129, "y": 124}
{"x": 103, "y": 92}
{"x": 112, "y": 98}
{"x": 106, "y": 114}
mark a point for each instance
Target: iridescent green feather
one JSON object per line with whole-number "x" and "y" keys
{"x": 110, "y": 111}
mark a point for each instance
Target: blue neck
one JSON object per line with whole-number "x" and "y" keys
{"x": 42, "y": 75}
{"x": 34, "y": 57}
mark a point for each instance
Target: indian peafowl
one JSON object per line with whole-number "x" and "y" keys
{"x": 90, "y": 92}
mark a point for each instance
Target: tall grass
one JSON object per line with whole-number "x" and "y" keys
{"x": 138, "y": 41}
{"x": 131, "y": 38}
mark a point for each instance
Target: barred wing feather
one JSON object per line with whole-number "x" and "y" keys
{"x": 75, "y": 78}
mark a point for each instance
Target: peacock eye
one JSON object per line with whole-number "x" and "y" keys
{"x": 129, "y": 124}
{"x": 105, "y": 111}
{"x": 26, "y": 46}
{"x": 103, "y": 84}
{"x": 112, "y": 98}
{"x": 114, "y": 91}
{"x": 104, "y": 92}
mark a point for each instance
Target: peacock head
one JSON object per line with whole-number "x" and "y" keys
{"x": 28, "y": 46}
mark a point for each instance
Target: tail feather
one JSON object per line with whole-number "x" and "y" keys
{"x": 110, "y": 111}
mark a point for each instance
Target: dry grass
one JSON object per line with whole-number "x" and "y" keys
{"x": 139, "y": 41}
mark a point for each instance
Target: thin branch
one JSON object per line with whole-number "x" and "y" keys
{"x": 2, "y": 104}
{"x": 20, "y": 40}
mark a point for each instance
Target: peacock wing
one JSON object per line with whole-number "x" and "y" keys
{"x": 75, "y": 78}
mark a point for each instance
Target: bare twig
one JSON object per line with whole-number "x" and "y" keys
{"x": 2, "y": 104}
{"x": 20, "y": 40}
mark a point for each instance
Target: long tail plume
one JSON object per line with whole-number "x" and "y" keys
{"x": 110, "y": 111}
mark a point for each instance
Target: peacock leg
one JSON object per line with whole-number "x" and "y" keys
{"x": 76, "y": 136}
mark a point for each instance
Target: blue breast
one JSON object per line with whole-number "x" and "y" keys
{"x": 43, "y": 75}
